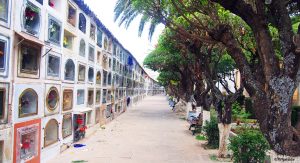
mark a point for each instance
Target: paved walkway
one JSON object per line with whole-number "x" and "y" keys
{"x": 147, "y": 133}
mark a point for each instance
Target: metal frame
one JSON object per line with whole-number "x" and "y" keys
{"x": 21, "y": 115}
{"x": 45, "y": 133}
{"x": 28, "y": 3}
{"x": 65, "y": 136}
{"x": 26, "y": 73}
{"x": 51, "y": 18}
{"x": 46, "y": 100}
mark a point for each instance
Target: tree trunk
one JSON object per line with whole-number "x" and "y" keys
{"x": 224, "y": 130}
{"x": 180, "y": 107}
{"x": 224, "y": 125}
{"x": 274, "y": 114}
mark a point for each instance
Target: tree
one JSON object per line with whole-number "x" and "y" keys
{"x": 170, "y": 59}
{"x": 175, "y": 70}
{"x": 269, "y": 68}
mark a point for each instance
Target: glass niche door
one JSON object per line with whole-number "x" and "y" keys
{"x": 27, "y": 143}
{"x": 79, "y": 126}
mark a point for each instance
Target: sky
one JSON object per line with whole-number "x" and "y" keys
{"x": 138, "y": 46}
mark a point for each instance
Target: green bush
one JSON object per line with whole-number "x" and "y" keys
{"x": 249, "y": 146}
{"x": 294, "y": 116}
{"x": 241, "y": 100}
{"x": 213, "y": 112}
{"x": 212, "y": 132}
{"x": 201, "y": 137}
{"x": 239, "y": 113}
{"x": 249, "y": 107}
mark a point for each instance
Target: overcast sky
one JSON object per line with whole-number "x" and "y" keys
{"x": 138, "y": 46}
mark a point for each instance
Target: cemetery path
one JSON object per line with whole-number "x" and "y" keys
{"x": 148, "y": 132}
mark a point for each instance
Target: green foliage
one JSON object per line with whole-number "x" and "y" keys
{"x": 294, "y": 116}
{"x": 201, "y": 137}
{"x": 239, "y": 113}
{"x": 295, "y": 27}
{"x": 249, "y": 107}
{"x": 213, "y": 157}
{"x": 168, "y": 77}
{"x": 249, "y": 147}
{"x": 226, "y": 64}
{"x": 295, "y": 23}
{"x": 241, "y": 100}
{"x": 212, "y": 132}
{"x": 213, "y": 113}
{"x": 243, "y": 128}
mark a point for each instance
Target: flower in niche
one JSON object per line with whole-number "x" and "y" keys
{"x": 66, "y": 43}
{"x": 30, "y": 13}
{"x": 51, "y": 4}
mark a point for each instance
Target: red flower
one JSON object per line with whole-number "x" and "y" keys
{"x": 51, "y": 4}
{"x": 29, "y": 13}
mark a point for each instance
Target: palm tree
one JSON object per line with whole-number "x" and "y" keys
{"x": 126, "y": 11}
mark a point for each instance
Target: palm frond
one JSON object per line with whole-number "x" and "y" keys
{"x": 152, "y": 28}
{"x": 120, "y": 7}
{"x": 143, "y": 21}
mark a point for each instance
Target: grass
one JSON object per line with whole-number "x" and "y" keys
{"x": 201, "y": 137}
{"x": 249, "y": 121}
{"x": 213, "y": 157}
{"x": 182, "y": 118}
{"x": 79, "y": 161}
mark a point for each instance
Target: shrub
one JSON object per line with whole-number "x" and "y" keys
{"x": 239, "y": 113}
{"x": 249, "y": 107}
{"x": 249, "y": 147}
{"x": 213, "y": 112}
{"x": 294, "y": 116}
{"x": 241, "y": 100}
{"x": 212, "y": 132}
{"x": 201, "y": 137}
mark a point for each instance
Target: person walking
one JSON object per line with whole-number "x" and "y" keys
{"x": 128, "y": 101}
{"x": 172, "y": 104}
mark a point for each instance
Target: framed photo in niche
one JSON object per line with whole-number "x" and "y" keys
{"x": 81, "y": 72}
{"x": 67, "y": 99}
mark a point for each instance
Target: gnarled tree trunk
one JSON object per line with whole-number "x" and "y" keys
{"x": 273, "y": 111}
{"x": 224, "y": 125}
{"x": 224, "y": 130}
